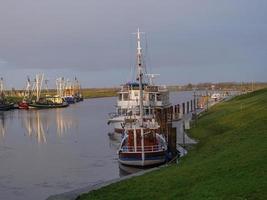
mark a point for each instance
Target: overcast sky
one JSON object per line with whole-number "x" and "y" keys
{"x": 186, "y": 40}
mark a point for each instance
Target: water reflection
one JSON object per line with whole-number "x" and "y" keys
{"x": 2, "y": 125}
{"x": 34, "y": 125}
{"x": 39, "y": 123}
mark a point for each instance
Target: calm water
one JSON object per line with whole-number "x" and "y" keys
{"x": 44, "y": 152}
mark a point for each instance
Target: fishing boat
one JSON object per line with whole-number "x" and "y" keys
{"x": 142, "y": 144}
{"x": 49, "y": 102}
{"x": 69, "y": 90}
{"x": 155, "y": 97}
{"x": 4, "y": 105}
{"x": 70, "y": 99}
{"x": 23, "y": 105}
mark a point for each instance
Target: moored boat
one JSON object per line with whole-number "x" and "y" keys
{"x": 155, "y": 97}
{"x": 6, "y": 106}
{"x": 23, "y": 105}
{"x": 70, "y": 99}
{"x": 142, "y": 144}
{"x": 49, "y": 102}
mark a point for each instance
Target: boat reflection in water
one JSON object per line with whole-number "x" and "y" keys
{"x": 2, "y": 125}
{"x": 40, "y": 123}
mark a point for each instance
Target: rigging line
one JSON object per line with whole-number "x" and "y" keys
{"x": 148, "y": 60}
{"x": 145, "y": 57}
{"x": 129, "y": 76}
{"x": 132, "y": 59}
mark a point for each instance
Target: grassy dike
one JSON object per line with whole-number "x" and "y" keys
{"x": 229, "y": 162}
{"x": 99, "y": 92}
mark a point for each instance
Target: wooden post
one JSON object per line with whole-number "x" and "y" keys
{"x": 187, "y": 107}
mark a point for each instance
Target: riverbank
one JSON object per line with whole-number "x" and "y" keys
{"x": 227, "y": 163}
{"x": 87, "y": 93}
{"x": 99, "y": 92}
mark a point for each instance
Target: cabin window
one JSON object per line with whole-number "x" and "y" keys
{"x": 159, "y": 97}
{"x": 124, "y": 111}
{"x": 151, "y": 97}
{"x": 125, "y": 96}
{"x": 120, "y": 97}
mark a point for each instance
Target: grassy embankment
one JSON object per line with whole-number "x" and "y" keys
{"x": 99, "y": 92}
{"x": 229, "y": 162}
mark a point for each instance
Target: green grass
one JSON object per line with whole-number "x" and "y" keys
{"x": 99, "y": 92}
{"x": 229, "y": 162}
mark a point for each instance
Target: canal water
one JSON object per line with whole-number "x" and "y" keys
{"x": 45, "y": 152}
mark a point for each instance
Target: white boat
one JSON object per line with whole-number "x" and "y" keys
{"x": 216, "y": 96}
{"x": 142, "y": 144}
{"x": 154, "y": 97}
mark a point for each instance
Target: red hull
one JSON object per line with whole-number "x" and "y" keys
{"x": 23, "y": 105}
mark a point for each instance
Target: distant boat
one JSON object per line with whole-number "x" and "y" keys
{"x": 70, "y": 99}
{"x": 216, "y": 96}
{"x": 6, "y": 106}
{"x": 49, "y": 102}
{"x": 23, "y": 105}
{"x": 70, "y": 91}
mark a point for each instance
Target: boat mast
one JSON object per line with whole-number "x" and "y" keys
{"x": 28, "y": 87}
{"x": 140, "y": 78}
{"x": 1, "y": 85}
{"x": 140, "y": 75}
{"x": 1, "y": 89}
{"x": 39, "y": 81}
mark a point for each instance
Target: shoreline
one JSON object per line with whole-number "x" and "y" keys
{"x": 220, "y": 158}
{"x": 75, "y": 194}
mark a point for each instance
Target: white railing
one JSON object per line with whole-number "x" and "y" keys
{"x": 153, "y": 148}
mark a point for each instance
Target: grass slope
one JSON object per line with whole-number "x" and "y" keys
{"x": 229, "y": 162}
{"x": 99, "y": 92}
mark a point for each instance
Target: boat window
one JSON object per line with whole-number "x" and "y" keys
{"x": 119, "y": 111}
{"x": 151, "y": 97}
{"x": 159, "y": 97}
{"x": 120, "y": 97}
{"x": 125, "y": 96}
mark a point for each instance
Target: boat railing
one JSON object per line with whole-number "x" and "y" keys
{"x": 113, "y": 114}
{"x": 163, "y": 88}
{"x": 152, "y": 148}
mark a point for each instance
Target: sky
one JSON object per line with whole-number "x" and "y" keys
{"x": 185, "y": 41}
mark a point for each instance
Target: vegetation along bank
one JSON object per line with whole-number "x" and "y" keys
{"x": 229, "y": 161}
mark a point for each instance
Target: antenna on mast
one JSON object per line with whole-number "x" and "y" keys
{"x": 1, "y": 85}
{"x": 151, "y": 78}
{"x": 140, "y": 74}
